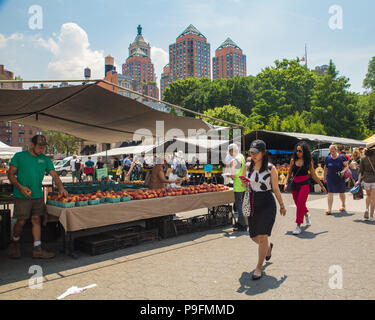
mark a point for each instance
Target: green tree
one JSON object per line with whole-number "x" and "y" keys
{"x": 173, "y": 111}
{"x": 295, "y": 123}
{"x": 283, "y": 89}
{"x": 227, "y": 113}
{"x": 369, "y": 81}
{"x": 203, "y": 94}
{"x": 336, "y": 107}
{"x": 367, "y": 111}
{"x": 61, "y": 142}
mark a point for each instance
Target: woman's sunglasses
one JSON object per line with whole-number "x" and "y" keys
{"x": 299, "y": 151}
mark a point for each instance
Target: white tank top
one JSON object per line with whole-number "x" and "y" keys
{"x": 260, "y": 182}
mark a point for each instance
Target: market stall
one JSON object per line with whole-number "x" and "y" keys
{"x": 284, "y": 143}
{"x": 144, "y": 205}
{"x": 79, "y": 218}
{"x": 94, "y": 113}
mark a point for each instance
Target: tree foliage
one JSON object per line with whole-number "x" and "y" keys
{"x": 369, "y": 81}
{"x": 284, "y": 97}
{"x": 61, "y": 142}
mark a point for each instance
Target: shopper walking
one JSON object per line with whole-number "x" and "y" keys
{"x": 262, "y": 178}
{"x": 75, "y": 167}
{"x": 126, "y": 165}
{"x": 300, "y": 165}
{"x": 99, "y": 163}
{"x": 367, "y": 174}
{"x": 26, "y": 173}
{"x": 335, "y": 167}
{"x": 354, "y": 166}
{"x": 88, "y": 170}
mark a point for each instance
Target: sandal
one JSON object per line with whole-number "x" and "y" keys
{"x": 269, "y": 257}
{"x": 342, "y": 209}
{"x": 254, "y": 277}
{"x": 327, "y": 212}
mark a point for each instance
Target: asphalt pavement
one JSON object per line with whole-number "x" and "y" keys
{"x": 334, "y": 258}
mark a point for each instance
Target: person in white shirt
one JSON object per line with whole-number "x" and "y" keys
{"x": 76, "y": 173}
{"x": 177, "y": 160}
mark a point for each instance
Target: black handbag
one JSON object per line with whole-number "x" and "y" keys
{"x": 358, "y": 195}
{"x": 290, "y": 181}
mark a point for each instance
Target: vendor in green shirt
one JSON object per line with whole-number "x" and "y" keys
{"x": 26, "y": 173}
{"x": 237, "y": 167}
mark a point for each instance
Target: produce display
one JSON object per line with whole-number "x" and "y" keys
{"x": 6, "y": 192}
{"x": 74, "y": 200}
{"x": 140, "y": 182}
{"x": 3, "y": 172}
{"x": 164, "y": 192}
{"x": 92, "y": 187}
{"x": 283, "y": 169}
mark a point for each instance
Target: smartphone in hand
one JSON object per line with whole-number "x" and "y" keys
{"x": 243, "y": 178}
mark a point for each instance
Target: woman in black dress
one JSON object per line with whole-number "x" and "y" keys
{"x": 263, "y": 179}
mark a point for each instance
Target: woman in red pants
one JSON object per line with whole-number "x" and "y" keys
{"x": 300, "y": 165}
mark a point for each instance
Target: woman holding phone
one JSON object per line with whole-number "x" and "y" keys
{"x": 262, "y": 179}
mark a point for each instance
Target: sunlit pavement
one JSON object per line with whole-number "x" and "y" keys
{"x": 332, "y": 259}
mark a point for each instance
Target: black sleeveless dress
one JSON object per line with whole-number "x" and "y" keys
{"x": 262, "y": 203}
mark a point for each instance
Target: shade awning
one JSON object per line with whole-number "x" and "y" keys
{"x": 287, "y": 140}
{"x": 370, "y": 139}
{"x": 90, "y": 112}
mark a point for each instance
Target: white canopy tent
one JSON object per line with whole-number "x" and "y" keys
{"x": 7, "y": 152}
{"x": 125, "y": 150}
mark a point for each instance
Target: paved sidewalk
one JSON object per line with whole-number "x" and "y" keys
{"x": 217, "y": 264}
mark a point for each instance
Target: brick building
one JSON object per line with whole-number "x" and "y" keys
{"x": 164, "y": 79}
{"x": 11, "y": 133}
{"x": 229, "y": 61}
{"x": 139, "y": 67}
{"x": 189, "y": 56}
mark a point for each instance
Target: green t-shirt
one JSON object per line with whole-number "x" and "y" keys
{"x": 30, "y": 172}
{"x": 89, "y": 163}
{"x": 237, "y": 185}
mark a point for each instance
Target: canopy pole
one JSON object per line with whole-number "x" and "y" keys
{"x": 106, "y": 153}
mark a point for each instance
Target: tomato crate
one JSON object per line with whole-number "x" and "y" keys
{"x": 96, "y": 244}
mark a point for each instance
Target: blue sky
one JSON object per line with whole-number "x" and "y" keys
{"x": 80, "y": 33}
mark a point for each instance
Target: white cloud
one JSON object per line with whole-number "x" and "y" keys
{"x": 3, "y": 41}
{"x": 72, "y": 54}
{"x": 14, "y": 36}
{"x": 159, "y": 58}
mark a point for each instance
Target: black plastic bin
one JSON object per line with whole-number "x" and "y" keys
{"x": 4, "y": 228}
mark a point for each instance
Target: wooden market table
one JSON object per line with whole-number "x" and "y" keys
{"x": 110, "y": 216}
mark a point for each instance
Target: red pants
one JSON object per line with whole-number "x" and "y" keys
{"x": 300, "y": 198}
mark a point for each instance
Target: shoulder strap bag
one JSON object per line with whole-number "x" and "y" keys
{"x": 290, "y": 181}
